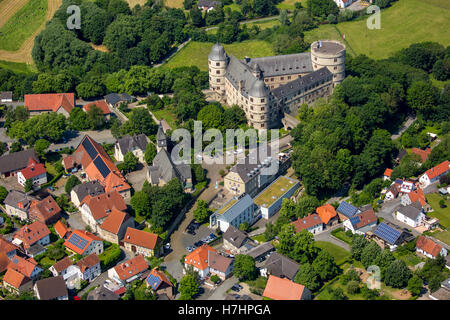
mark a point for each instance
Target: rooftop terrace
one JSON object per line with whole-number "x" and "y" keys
{"x": 274, "y": 191}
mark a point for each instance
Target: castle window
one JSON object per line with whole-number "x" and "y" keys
{"x": 299, "y": 75}
{"x": 251, "y": 99}
{"x": 262, "y": 125}
{"x": 263, "y": 100}
{"x": 217, "y": 64}
{"x": 251, "y": 116}
{"x": 335, "y": 59}
{"x": 335, "y": 68}
{"x": 289, "y": 77}
{"x": 315, "y": 58}
{"x": 262, "y": 108}
{"x": 251, "y": 108}
{"x": 282, "y": 78}
{"x": 218, "y": 80}
{"x": 217, "y": 71}
{"x": 271, "y": 79}
{"x": 262, "y": 117}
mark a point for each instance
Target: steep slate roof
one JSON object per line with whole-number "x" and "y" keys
{"x": 50, "y": 101}
{"x": 281, "y": 266}
{"x": 164, "y": 168}
{"x": 45, "y": 209}
{"x": 438, "y": 170}
{"x": 428, "y": 245}
{"x": 218, "y": 261}
{"x": 199, "y": 257}
{"x": 89, "y": 237}
{"x": 283, "y": 289}
{"x": 101, "y": 205}
{"x": 17, "y": 160}
{"x": 114, "y": 221}
{"x": 88, "y": 262}
{"x": 235, "y": 236}
{"x": 307, "y": 222}
{"x": 101, "y": 293}
{"x": 52, "y": 288}
{"x": 14, "y": 278}
{"x": 129, "y": 143}
{"x": 141, "y": 238}
{"x": 237, "y": 71}
{"x": 283, "y": 65}
{"x": 33, "y": 169}
{"x": 30, "y": 234}
{"x": 92, "y": 188}
{"x": 62, "y": 264}
{"x": 302, "y": 83}
{"x": 131, "y": 267}
{"x": 101, "y": 104}
{"x": 217, "y": 52}
{"x": 326, "y": 213}
{"x": 244, "y": 166}
{"x": 410, "y": 211}
{"x": 347, "y": 209}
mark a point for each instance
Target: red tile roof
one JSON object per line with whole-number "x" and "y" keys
{"x": 4, "y": 261}
{"x": 428, "y": 245}
{"x": 141, "y": 238}
{"x": 62, "y": 264}
{"x": 307, "y": 222}
{"x": 199, "y": 257}
{"x": 32, "y": 233}
{"x": 50, "y": 101}
{"x": 438, "y": 170}
{"x": 283, "y": 289}
{"x": 103, "y": 204}
{"x": 88, "y": 262}
{"x": 365, "y": 218}
{"x": 24, "y": 266}
{"x": 114, "y": 221}
{"x": 101, "y": 104}
{"x": 417, "y": 195}
{"x": 131, "y": 267}
{"x": 15, "y": 279}
{"x": 326, "y": 212}
{"x": 423, "y": 154}
{"x": 33, "y": 169}
{"x": 61, "y": 229}
{"x": 89, "y": 237}
{"x": 388, "y": 172}
{"x": 6, "y": 246}
{"x": 45, "y": 210}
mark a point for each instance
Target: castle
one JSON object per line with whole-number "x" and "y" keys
{"x": 272, "y": 88}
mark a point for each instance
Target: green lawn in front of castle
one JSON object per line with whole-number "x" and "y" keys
{"x": 196, "y": 53}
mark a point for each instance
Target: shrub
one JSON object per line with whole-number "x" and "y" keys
{"x": 353, "y": 287}
{"x": 214, "y": 278}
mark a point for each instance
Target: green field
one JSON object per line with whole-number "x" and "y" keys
{"x": 196, "y": 53}
{"x": 166, "y": 115}
{"x": 17, "y": 67}
{"x": 406, "y": 22}
{"x": 289, "y": 4}
{"x": 339, "y": 254}
{"x": 443, "y": 214}
{"x": 444, "y": 236}
{"x": 233, "y": 7}
{"x": 23, "y": 24}
{"x": 261, "y": 24}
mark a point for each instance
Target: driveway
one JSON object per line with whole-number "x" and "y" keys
{"x": 326, "y": 236}
{"x": 387, "y": 213}
{"x": 220, "y": 292}
{"x": 75, "y": 221}
{"x": 138, "y": 177}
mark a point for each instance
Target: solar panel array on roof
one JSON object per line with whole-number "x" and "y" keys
{"x": 354, "y": 220}
{"x": 101, "y": 166}
{"x": 87, "y": 145}
{"x": 387, "y": 233}
{"x": 78, "y": 241}
{"x": 154, "y": 281}
{"x": 347, "y": 209}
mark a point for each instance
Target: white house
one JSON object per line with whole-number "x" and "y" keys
{"x": 219, "y": 265}
{"x": 135, "y": 144}
{"x": 361, "y": 222}
{"x": 198, "y": 260}
{"x": 234, "y": 212}
{"x": 429, "y": 248}
{"x": 312, "y": 223}
{"x": 128, "y": 271}
{"x": 434, "y": 174}
{"x": 343, "y": 3}
{"x": 411, "y": 215}
{"x": 84, "y": 243}
{"x": 89, "y": 267}
{"x": 35, "y": 172}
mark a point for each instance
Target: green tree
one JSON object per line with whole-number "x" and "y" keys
{"x": 150, "y": 153}
{"x": 28, "y": 185}
{"x": 357, "y": 246}
{"x": 16, "y": 146}
{"x": 141, "y": 204}
{"x": 78, "y": 119}
{"x": 370, "y": 253}
{"x": 71, "y": 182}
{"x": 3, "y": 193}
{"x": 308, "y": 277}
{"x": 211, "y": 116}
{"x": 353, "y": 287}
{"x": 397, "y": 274}
{"x": 40, "y": 146}
{"x": 422, "y": 97}
{"x": 198, "y": 173}
{"x": 140, "y": 121}
{"x": 202, "y": 212}
{"x": 130, "y": 162}
{"x": 245, "y": 268}
{"x": 325, "y": 266}
{"x": 415, "y": 285}
{"x": 188, "y": 287}
{"x": 95, "y": 117}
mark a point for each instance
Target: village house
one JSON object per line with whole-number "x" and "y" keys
{"x": 98, "y": 166}
{"x": 411, "y": 214}
{"x": 7, "y": 247}
{"x": 198, "y": 260}
{"x": 29, "y": 235}
{"x": 62, "y": 230}
{"x": 280, "y": 266}
{"x": 129, "y": 270}
{"x": 393, "y": 192}
{"x": 35, "y": 250}
{"x": 17, "y": 204}
{"x": 135, "y": 144}
{"x": 16, "y": 282}
{"x": 260, "y": 252}
{"x": 84, "y": 243}
{"x": 115, "y": 225}
{"x": 6, "y": 96}
{"x": 102, "y": 105}
{"x": 361, "y": 222}
{"x": 284, "y": 289}
{"x": 69, "y": 271}
{"x": 389, "y": 235}
{"x": 219, "y": 265}
{"x": 234, "y": 212}
{"x": 81, "y": 191}
{"x": 12, "y": 163}
{"x": 387, "y": 174}
{"x": 328, "y": 215}
{"x": 207, "y": 5}
{"x": 434, "y": 174}
{"x": 115, "y": 99}
{"x": 235, "y": 240}
{"x": 311, "y": 223}
{"x": 416, "y": 195}
{"x": 53, "y": 288}
{"x": 46, "y": 210}
{"x": 142, "y": 242}
{"x": 160, "y": 284}
{"x": 346, "y": 210}
{"x": 422, "y": 154}
{"x": 429, "y": 248}
{"x": 35, "y": 172}
{"x": 62, "y": 103}
{"x": 89, "y": 267}
{"x": 61, "y": 267}
{"x": 28, "y": 267}
{"x": 95, "y": 209}
{"x": 102, "y": 294}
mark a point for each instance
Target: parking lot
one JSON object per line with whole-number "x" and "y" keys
{"x": 200, "y": 233}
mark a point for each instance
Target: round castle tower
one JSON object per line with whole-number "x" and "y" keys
{"x": 258, "y": 114}
{"x": 217, "y": 64}
{"x": 330, "y": 54}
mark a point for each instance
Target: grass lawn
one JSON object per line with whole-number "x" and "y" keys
{"x": 339, "y": 254}
{"x": 46, "y": 262}
{"x": 444, "y": 236}
{"x": 443, "y": 214}
{"x": 340, "y": 234}
{"x": 17, "y": 67}
{"x": 166, "y": 115}
{"x": 23, "y": 24}
{"x": 289, "y": 4}
{"x": 260, "y": 238}
{"x": 406, "y": 22}
{"x": 233, "y": 7}
{"x": 196, "y": 53}
{"x": 410, "y": 259}
{"x": 264, "y": 24}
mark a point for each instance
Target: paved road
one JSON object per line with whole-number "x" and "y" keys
{"x": 173, "y": 53}
{"x": 326, "y": 236}
{"x": 409, "y": 121}
{"x": 253, "y": 20}
{"x": 220, "y": 292}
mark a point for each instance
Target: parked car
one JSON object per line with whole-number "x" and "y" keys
{"x": 236, "y": 287}
{"x": 190, "y": 249}
{"x": 198, "y": 243}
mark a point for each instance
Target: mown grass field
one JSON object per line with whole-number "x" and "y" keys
{"x": 22, "y": 24}
{"x": 173, "y": 3}
{"x": 133, "y": 3}
{"x": 196, "y": 53}
{"x": 444, "y": 236}
{"x": 339, "y": 254}
{"x": 289, "y": 4}
{"x": 406, "y": 22}
{"x": 17, "y": 67}
{"x": 443, "y": 214}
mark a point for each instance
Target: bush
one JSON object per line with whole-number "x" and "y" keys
{"x": 110, "y": 256}
{"x": 214, "y": 278}
{"x": 353, "y": 287}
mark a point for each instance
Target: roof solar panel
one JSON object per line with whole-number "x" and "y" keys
{"x": 87, "y": 145}
{"x": 387, "y": 233}
{"x": 347, "y": 209}
{"x": 354, "y": 220}
{"x": 154, "y": 281}
{"x": 78, "y": 241}
{"x": 101, "y": 166}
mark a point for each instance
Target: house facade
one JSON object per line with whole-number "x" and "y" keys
{"x": 142, "y": 243}
{"x": 312, "y": 223}
{"x": 434, "y": 174}
{"x": 17, "y": 204}
{"x": 129, "y": 270}
{"x": 12, "y": 163}
{"x": 429, "y": 248}
{"x": 412, "y": 215}
{"x": 198, "y": 260}
{"x": 234, "y": 212}
{"x": 35, "y": 172}
{"x": 135, "y": 144}
{"x": 84, "y": 243}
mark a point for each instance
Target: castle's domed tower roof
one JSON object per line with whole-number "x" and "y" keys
{"x": 259, "y": 89}
{"x": 217, "y": 53}
{"x": 254, "y": 67}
